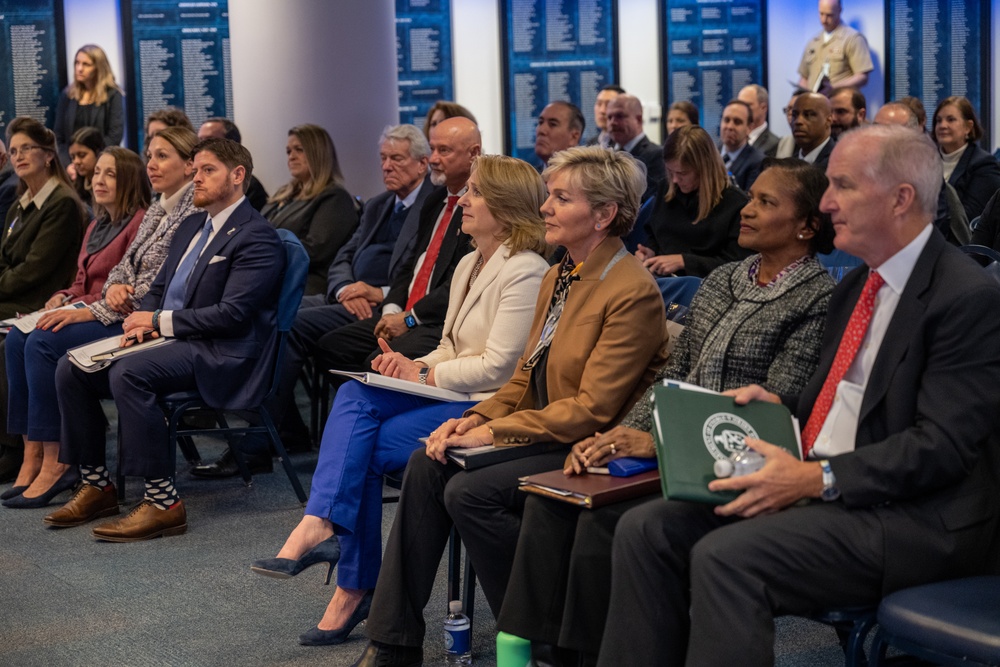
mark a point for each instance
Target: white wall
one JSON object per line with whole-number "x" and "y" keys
{"x": 327, "y": 62}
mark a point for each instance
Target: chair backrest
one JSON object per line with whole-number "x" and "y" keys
{"x": 294, "y": 282}
{"x": 986, "y": 257}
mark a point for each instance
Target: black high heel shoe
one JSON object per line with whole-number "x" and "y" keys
{"x": 327, "y": 551}
{"x": 69, "y": 479}
{"x": 12, "y": 491}
{"x": 317, "y": 637}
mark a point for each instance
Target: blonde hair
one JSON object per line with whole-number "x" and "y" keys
{"x": 104, "y": 78}
{"x": 181, "y": 138}
{"x": 604, "y": 176}
{"x": 514, "y": 193}
{"x": 324, "y": 169}
{"x": 693, "y": 148}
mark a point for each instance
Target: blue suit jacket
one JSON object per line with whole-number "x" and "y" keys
{"x": 230, "y": 307}
{"x": 342, "y": 270}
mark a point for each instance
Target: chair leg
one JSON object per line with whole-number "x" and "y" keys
{"x": 876, "y": 657}
{"x": 119, "y": 475}
{"x": 282, "y": 455}
{"x": 454, "y": 567}
{"x": 470, "y": 588}
{"x": 324, "y": 398}
{"x": 854, "y": 646}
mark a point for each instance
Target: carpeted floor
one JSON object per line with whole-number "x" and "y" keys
{"x": 67, "y": 600}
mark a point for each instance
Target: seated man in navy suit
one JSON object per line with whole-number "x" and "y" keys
{"x": 357, "y": 283}
{"x": 902, "y": 451}
{"x": 216, "y": 297}
{"x": 742, "y": 160}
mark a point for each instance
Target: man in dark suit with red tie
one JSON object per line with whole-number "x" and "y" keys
{"x": 216, "y": 300}
{"x": 412, "y": 314}
{"x": 902, "y": 450}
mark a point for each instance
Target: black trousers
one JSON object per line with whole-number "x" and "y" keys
{"x": 353, "y": 346}
{"x": 691, "y": 588}
{"x": 560, "y": 583}
{"x": 485, "y": 506}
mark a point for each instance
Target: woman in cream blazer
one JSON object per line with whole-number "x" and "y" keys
{"x": 372, "y": 431}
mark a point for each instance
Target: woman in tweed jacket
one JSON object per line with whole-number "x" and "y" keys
{"x": 759, "y": 321}
{"x": 170, "y": 170}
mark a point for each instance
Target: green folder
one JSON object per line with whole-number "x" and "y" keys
{"x": 693, "y": 429}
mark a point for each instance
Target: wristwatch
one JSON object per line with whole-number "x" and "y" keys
{"x": 410, "y": 321}
{"x": 830, "y": 490}
{"x": 422, "y": 374}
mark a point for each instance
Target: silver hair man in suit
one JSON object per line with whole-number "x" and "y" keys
{"x": 898, "y": 486}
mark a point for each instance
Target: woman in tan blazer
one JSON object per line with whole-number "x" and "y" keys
{"x": 598, "y": 337}
{"x": 372, "y": 431}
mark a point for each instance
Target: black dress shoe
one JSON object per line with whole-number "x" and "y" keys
{"x": 226, "y": 466}
{"x": 378, "y": 654}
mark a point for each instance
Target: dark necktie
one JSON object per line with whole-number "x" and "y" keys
{"x": 423, "y": 278}
{"x": 861, "y": 317}
{"x": 726, "y": 159}
{"x": 174, "y": 297}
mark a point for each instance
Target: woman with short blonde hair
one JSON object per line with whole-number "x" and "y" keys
{"x": 492, "y": 300}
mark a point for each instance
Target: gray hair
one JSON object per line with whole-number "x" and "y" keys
{"x": 419, "y": 148}
{"x": 760, "y": 91}
{"x": 604, "y": 176}
{"x": 896, "y": 155}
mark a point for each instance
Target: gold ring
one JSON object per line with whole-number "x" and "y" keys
{"x": 612, "y": 448}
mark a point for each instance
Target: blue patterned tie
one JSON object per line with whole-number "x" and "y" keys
{"x": 174, "y": 298}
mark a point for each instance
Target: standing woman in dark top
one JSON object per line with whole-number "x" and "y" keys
{"x": 695, "y": 222}
{"x": 84, "y": 147}
{"x": 43, "y": 228}
{"x": 92, "y": 100}
{"x": 969, "y": 169}
{"x": 314, "y": 205}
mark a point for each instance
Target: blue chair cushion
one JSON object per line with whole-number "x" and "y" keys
{"x": 959, "y": 617}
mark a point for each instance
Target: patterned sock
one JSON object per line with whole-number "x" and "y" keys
{"x": 95, "y": 476}
{"x": 161, "y": 492}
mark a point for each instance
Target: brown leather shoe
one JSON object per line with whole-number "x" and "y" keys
{"x": 87, "y": 504}
{"x": 378, "y": 654}
{"x": 145, "y": 522}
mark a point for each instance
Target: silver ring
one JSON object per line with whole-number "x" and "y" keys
{"x": 613, "y": 448}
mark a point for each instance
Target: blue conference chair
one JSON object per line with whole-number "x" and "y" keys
{"x": 678, "y": 289}
{"x": 986, "y": 257}
{"x": 953, "y": 622}
{"x": 176, "y": 405}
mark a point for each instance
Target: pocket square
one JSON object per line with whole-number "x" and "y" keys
{"x": 217, "y": 258}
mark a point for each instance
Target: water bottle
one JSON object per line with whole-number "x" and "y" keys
{"x": 457, "y": 636}
{"x": 739, "y": 464}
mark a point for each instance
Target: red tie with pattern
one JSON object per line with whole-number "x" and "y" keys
{"x": 423, "y": 278}
{"x": 848, "y": 349}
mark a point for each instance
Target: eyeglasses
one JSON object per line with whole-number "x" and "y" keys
{"x": 24, "y": 150}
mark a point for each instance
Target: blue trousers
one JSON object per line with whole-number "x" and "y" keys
{"x": 370, "y": 432}
{"x": 32, "y": 408}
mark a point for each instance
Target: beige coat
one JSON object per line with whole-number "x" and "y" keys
{"x": 486, "y": 328}
{"x": 610, "y": 341}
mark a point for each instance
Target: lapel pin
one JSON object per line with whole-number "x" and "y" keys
{"x": 230, "y": 232}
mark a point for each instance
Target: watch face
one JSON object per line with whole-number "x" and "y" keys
{"x": 410, "y": 321}
{"x": 831, "y": 493}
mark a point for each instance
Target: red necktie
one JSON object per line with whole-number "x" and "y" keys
{"x": 419, "y": 289}
{"x": 848, "y": 349}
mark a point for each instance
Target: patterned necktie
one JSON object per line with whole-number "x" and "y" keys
{"x": 174, "y": 297}
{"x": 423, "y": 278}
{"x": 846, "y": 351}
